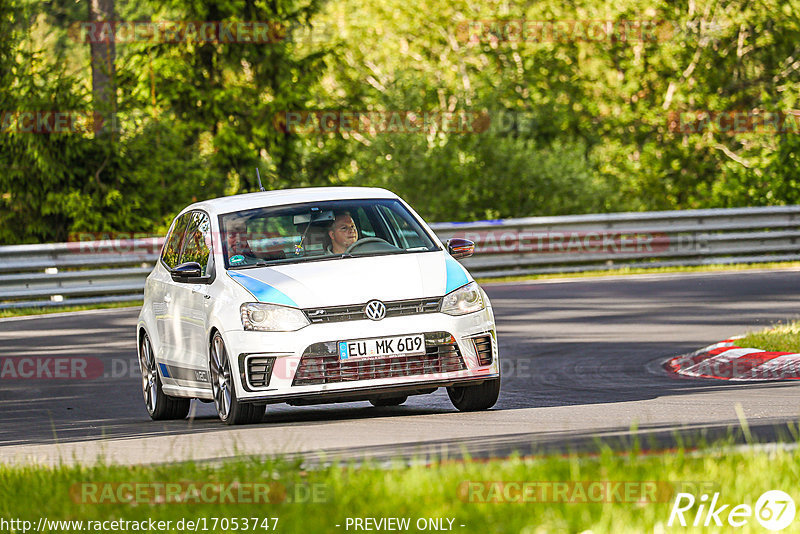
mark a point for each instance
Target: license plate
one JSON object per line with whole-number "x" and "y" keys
{"x": 382, "y": 347}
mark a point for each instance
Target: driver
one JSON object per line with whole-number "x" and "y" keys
{"x": 342, "y": 233}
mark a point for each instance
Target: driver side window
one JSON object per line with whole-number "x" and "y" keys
{"x": 197, "y": 243}
{"x": 172, "y": 245}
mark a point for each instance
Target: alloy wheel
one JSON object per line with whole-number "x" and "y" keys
{"x": 147, "y": 364}
{"x": 221, "y": 382}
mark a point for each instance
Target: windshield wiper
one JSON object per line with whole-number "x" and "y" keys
{"x": 259, "y": 263}
{"x": 371, "y": 254}
{"x": 285, "y": 261}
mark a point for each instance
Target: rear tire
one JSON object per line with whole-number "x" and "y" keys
{"x": 229, "y": 409}
{"x": 159, "y": 405}
{"x": 475, "y": 398}
{"x": 388, "y": 401}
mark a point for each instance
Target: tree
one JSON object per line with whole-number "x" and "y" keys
{"x": 102, "y": 41}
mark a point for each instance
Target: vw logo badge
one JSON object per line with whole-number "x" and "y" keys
{"x": 375, "y": 310}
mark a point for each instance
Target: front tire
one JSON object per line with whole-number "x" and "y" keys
{"x": 229, "y": 409}
{"x": 159, "y": 405}
{"x": 475, "y": 398}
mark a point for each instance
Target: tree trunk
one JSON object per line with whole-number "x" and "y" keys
{"x": 103, "y": 52}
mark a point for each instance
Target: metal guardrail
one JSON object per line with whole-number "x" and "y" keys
{"x": 92, "y": 272}
{"x": 76, "y": 273}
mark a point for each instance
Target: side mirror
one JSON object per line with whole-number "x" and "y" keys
{"x": 186, "y": 272}
{"x": 460, "y": 248}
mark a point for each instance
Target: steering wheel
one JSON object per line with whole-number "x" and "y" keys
{"x": 366, "y": 241}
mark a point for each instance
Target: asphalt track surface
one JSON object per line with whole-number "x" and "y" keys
{"x": 580, "y": 371}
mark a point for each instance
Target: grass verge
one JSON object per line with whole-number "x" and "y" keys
{"x": 18, "y": 312}
{"x": 782, "y": 337}
{"x": 638, "y": 270}
{"x": 605, "y": 493}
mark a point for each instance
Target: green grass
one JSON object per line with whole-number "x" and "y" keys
{"x": 419, "y": 491}
{"x": 17, "y": 312}
{"x": 778, "y": 338}
{"x": 657, "y": 270}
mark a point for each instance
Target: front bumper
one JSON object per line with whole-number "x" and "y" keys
{"x": 265, "y": 364}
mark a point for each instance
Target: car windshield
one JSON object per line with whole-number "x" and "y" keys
{"x": 320, "y": 231}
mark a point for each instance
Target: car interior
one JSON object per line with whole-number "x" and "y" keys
{"x": 303, "y": 232}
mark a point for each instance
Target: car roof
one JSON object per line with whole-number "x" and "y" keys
{"x": 281, "y": 197}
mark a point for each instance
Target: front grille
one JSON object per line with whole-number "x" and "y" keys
{"x": 483, "y": 348}
{"x": 259, "y": 370}
{"x": 320, "y": 363}
{"x": 355, "y": 312}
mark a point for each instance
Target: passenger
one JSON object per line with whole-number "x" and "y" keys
{"x": 236, "y": 238}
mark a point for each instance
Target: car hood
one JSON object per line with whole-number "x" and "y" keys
{"x": 354, "y": 280}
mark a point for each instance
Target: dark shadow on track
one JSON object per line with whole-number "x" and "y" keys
{"x": 568, "y": 344}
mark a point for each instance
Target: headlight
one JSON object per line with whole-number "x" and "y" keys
{"x": 464, "y": 300}
{"x": 272, "y": 318}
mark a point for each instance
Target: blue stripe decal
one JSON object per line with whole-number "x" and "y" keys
{"x": 456, "y": 275}
{"x": 262, "y": 291}
{"x": 164, "y": 370}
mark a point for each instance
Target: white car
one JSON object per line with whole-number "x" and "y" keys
{"x": 308, "y": 296}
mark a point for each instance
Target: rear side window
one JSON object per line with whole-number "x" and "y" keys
{"x": 172, "y": 247}
{"x": 197, "y": 241}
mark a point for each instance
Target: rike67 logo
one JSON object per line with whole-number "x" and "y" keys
{"x": 774, "y": 510}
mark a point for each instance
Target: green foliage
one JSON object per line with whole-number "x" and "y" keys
{"x": 574, "y": 125}
{"x": 33, "y": 166}
{"x": 637, "y": 491}
{"x": 480, "y": 176}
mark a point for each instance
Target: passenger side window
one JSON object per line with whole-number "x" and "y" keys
{"x": 363, "y": 223}
{"x": 197, "y": 243}
{"x": 172, "y": 246}
{"x": 406, "y": 233}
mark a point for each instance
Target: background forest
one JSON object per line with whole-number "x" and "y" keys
{"x": 575, "y": 122}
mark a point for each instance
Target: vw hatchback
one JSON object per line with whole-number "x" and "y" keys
{"x": 308, "y": 296}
